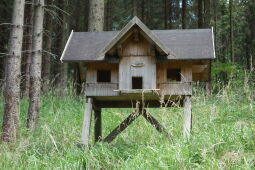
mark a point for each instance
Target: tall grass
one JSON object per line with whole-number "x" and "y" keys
{"x": 223, "y": 136}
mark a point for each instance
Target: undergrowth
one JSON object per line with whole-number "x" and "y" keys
{"x": 223, "y": 136}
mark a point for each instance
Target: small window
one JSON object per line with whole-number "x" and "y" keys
{"x": 104, "y": 76}
{"x": 137, "y": 82}
{"x": 173, "y": 75}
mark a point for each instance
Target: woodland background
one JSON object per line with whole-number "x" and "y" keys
{"x": 233, "y": 22}
{"x": 223, "y": 135}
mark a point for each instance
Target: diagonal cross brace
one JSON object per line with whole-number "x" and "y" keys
{"x": 121, "y": 127}
{"x": 130, "y": 119}
{"x": 156, "y": 124}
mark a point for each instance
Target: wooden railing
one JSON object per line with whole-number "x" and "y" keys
{"x": 111, "y": 89}
{"x": 175, "y": 88}
{"x": 101, "y": 89}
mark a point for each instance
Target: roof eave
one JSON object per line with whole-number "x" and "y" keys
{"x": 214, "y": 55}
{"x": 67, "y": 44}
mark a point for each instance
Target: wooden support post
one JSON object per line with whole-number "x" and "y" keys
{"x": 208, "y": 85}
{"x": 86, "y": 122}
{"x": 121, "y": 127}
{"x": 208, "y": 88}
{"x": 187, "y": 125}
{"x": 98, "y": 124}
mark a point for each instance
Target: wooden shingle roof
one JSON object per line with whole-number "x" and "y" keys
{"x": 187, "y": 44}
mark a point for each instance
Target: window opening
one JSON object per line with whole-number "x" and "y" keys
{"x": 173, "y": 75}
{"x": 104, "y": 76}
{"x": 137, "y": 82}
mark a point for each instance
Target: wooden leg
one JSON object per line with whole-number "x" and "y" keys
{"x": 121, "y": 127}
{"x": 187, "y": 125}
{"x": 208, "y": 88}
{"x": 86, "y": 122}
{"x": 98, "y": 125}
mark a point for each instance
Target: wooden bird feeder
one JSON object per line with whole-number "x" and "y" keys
{"x": 138, "y": 65}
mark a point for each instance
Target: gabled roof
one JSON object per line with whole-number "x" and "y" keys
{"x": 187, "y": 44}
{"x": 145, "y": 31}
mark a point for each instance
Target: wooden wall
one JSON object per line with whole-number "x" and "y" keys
{"x": 93, "y": 88}
{"x": 186, "y": 71}
{"x": 174, "y": 88}
{"x": 127, "y": 70}
{"x": 91, "y": 75}
{"x": 137, "y": 60}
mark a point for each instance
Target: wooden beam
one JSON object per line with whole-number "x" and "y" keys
{"x": 121, "y": 127}
{"x": 171, "y": 102}
{"x": 187, "y": 124}
{"x": 156, "y": 124}
{"x": 98, "y": 124}
{"x": 86, "y": 122}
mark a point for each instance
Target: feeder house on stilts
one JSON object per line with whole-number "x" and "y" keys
{"x": 138, "y": 66}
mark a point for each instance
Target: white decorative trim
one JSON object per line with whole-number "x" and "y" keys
{"x": 68, "y": 41}
{"x": 213, "y": 44}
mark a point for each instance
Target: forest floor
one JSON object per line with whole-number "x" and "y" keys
{"x": 223, "y": 136}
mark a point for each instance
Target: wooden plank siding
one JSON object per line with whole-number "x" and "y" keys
{"x": 183, "y": 87}
{"x": 94, "y": 88}
{"x": 128, "y": 70}
{"x": 175, "y": 89}
{"x": 101, "y": 89}
{"x": 137, "y": 60}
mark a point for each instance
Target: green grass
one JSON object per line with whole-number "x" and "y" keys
{"x": 218, "y": 140}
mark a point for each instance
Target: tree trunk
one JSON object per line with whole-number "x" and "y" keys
{"x": 96, "y": 16}
{"x": 135, "y": 8}
{"x": 5, "y": 16}
{"x": 251, "y": 35}
{"x": 232, "y": 53}
{"x": 108, "y": 15}
{"x": 200, "y": 13}
{"x": 166, "y": 14}
{"x": 12, "y": 86}
{"x": 46, "y": 60}
{"x": 27, "y": 47}
{"x": 184, "y": 11}
{"x": 63, "y": 67}
{"x": 35, "y": 74}
{"x": 143, "y": 11}
{"x": 170, "y": 22}
{"x": 207, "y": 13}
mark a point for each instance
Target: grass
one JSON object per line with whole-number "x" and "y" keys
{"x": 223, "y": 136}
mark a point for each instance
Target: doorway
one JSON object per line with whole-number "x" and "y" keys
{"x": 137, "y": 82}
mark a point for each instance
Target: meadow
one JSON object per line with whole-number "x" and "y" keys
{"x": 223, "y": 136}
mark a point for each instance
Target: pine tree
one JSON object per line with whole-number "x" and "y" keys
{"x": 27, "y": 47}
{"x": 36, "y": 64}
{"x": 63, "y": 67}
{"x": 231, "y": 31}
{"x": 184, "y": 13}
{"x": 46, "y": 60}
{"x": 12, "y": 86}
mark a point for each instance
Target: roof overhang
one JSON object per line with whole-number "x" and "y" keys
{"x": 67, "y": 44}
